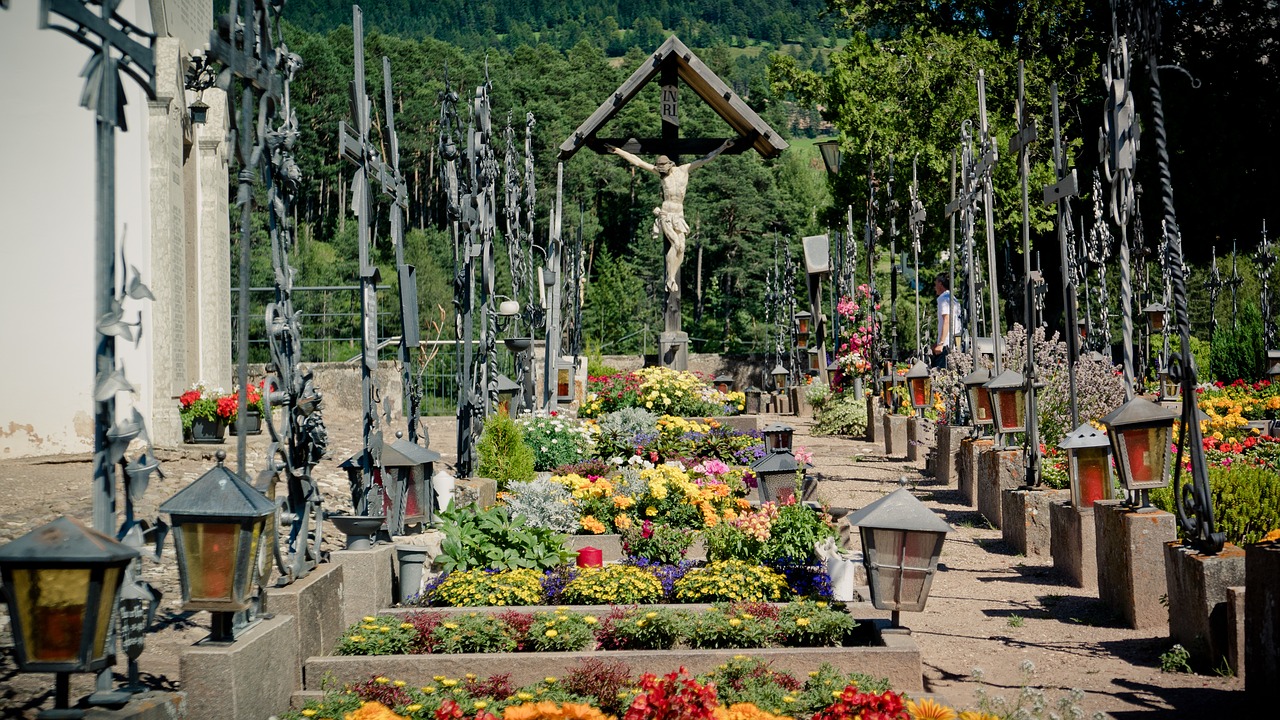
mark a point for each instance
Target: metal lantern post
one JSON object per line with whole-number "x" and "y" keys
{"x": 407, "y": 494}
{"x": 1088, "y": 465}
{"x": 218, "y": 522}
{"x": 1008, "y": 392}
{"x": 901, "y": 542}
{"x": 777, "y": 470}
{"x": 1141, "y": 433}
{"x": 919, "y": 388}
{"x": 984, "y": 166}
{"x": 915, "y": 221}
{"x": 61, "y": 581}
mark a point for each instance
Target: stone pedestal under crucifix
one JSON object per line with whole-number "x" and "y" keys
{"x": 672, "y": 63}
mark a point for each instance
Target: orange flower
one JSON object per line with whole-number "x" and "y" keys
{"x": 927, "y": 709}
{"x": 373, "y": 711}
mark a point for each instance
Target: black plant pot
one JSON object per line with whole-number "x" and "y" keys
{"x": 252, "y": 423}
{"x": 206, "y": 432}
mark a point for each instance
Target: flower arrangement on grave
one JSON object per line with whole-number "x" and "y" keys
{"x": 253, "y": 399}
{"x": 773, "y": 534}
{"x": 612, "y": 584}
{"x": 858, "y": 326}
{"x": 204, "y": 403}
{"x": 656, "y": 543}
{"x": 661, "y": 390}
{"x": 731, "y": 581}
{"x": 554, "y": 440}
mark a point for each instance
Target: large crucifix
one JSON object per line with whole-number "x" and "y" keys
{"x": 670, "y": 64}
{"x": 1060, "y": 194}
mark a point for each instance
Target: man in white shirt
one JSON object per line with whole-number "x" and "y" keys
{"x": 948, "y": 319}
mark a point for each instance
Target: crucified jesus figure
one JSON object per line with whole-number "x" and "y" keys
{"x": 669, "y": 220}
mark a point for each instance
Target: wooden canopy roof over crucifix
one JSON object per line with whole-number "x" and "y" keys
{"x": 670, "y": 62}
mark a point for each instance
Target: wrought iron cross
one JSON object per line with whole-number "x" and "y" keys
{"x": 1060, "y": 194}
{"x": 985, "y": 163}
{"x": 916, "y": 223}
{"x": 1214, "y": 286}
{"x": 1234, "y": 282}
{"x": 893, "y": 264}
{"x": 1266, "y": 260}
{"x": 1021, "y": 144}
{"x": 1118, "y": 144}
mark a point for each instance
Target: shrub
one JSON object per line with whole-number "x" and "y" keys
{"x": 554, "y": 441}
{"x": 618, "y": 430}
{"x": 474, "y": 633}
{"x": 842, "y": 414}
{"x": 637, "y": 629}
{"x": 657, "y": 542}
{"x": 543, "y": 504}
{"x": 605, "y": 680}
{"x": 794, "y": 533}
{"x": 727, "y": 628}
{"x": 560, "y": 631}
{"x": 612, "y": 584}
{"x": 504, "y": 457}
{"x": 1246, "y": 501}
{"x": 471, "y": 588}
{"x": 495, "y": 540}
{"x": 380, "y": 635}
{"x": 810, "y": 624}
{"x": 1239, "y": 353}
{"x": 731, "y": 581}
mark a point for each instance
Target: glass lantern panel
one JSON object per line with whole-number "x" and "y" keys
{"x": 52, "y": 604}
{"x": 413, "y": 483}
{"x": 1092, "y": 466}
{"x": 920, "y": 392}
{"x": 980, "y": 400}
{"x": 781, "y": 486}
{"x": 802, "y": 340}
{"x": 106, "y": 606}
{"x": 211, "y": 550}
{"x": 1145, "y": 450}
{"x": 562, "y": 384}
{"x": 804, "y": 325}
{"x": 1012, "y": 410}
{"x": 902, "y": 564}
{"x": 784, "y": 439}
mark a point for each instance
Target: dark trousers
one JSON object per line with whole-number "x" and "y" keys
{"x": 939, "y": 361}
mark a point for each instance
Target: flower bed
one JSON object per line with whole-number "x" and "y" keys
{"x": 661, "y": 390}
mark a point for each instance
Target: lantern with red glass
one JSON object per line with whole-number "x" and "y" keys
{"x": 803, "y": 321}
{"x": 1009, "y": 400}
{"x": 409, "y": 466}
{"x": 979, "y": 399}
{"x": 1141, "y": 433}
{"x": 218, "y": 523}
{"x": 724, "y": 383}
{"x": 918, "y": 385}
{"x": 1088, "y": 465}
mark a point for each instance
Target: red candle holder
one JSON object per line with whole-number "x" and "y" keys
{"x": 590, "y": 557}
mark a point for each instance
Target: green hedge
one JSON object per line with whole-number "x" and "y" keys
{"x": 1246, "y": 501}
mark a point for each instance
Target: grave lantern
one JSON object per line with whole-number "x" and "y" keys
{"x": 901, "y": 542}
{"x": 803, "y": 319}
{"x": 1082, "y": 326}
{"x": 566, "y": 392}
{"x": 979, "y": 398}
{"x": 217, "y": 524}
{"x": 779, "y": 374}
{"x": 815, "y": 361}
{"x": 61, "y": 583}
{"x": 752, "y": 404}
{"x": 199, "y": 112}
{"x": 507, "y": 391}
{"x": 1156, "y": 314}
{"x": 1088, "y": 465}
{"x": 411, "y": 465}
{"x": 1009, "y": 400}
{"x": 1273, "y": 365}
{"x": 776, "y": 475}
{"x": 1169, "y": 388}
{"x": 886, "y": 388}
{"x": 1141, "y": 432}
{"x": 724, "y": 383}
{"x": 919, "y": 386}
{"x": 830, "y": 150}
{"x": 778, "y": 437}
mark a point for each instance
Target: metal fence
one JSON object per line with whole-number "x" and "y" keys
{"x": 330, "y": 322}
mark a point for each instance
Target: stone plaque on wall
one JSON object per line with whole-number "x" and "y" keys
{"x": 188, "y": 20}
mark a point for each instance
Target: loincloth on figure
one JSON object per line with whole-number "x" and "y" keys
{"x": 670, "y": 224}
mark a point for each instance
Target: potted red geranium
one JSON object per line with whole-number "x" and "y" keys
{"x": 205, "y": 414}
{"x": 253, "y": 411}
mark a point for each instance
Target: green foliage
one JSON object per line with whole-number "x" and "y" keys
{"x": 657, "y": 542}
{"x": 642, "y": 629}
{"x": 555, "y": 441}
{"x": 490, "y": 539}
{"x": 1246, "y": 501}
{"x": 504, "y": 456}
{"x": 1238, "y": 354}
{"x": 794, "y": 534}
{"x": 560, "y": 631}
{"x": 473, "y": 633}
{"x": 473, "y": 588}
{"x": 844, "y": 414}
{"x": 814, "y": 624}
{"x": 729, "y": 628}
{"x": 377, "y": 635}
{"x": 731, "y": 581}
{"x": 1175, "y": 660}
{"x": 613, "y": 584}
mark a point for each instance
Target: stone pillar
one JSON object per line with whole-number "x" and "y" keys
{"x": 998, "y": 470}
{"x": 1072, "y": 544}
{"x": 947, "y": 463}
{"x": 368, "y": 581}
{"x": 1235, "y": 631}
{"x": 874, "y": 430}
{"x": 208, "y": 289}
{"x": 167, "y": 275}
{"x": 895, "y": 435}
{"x": 315, "y": 602}
{"x": 248, "y": 679}
{"x": 971, "y": 451}
{"x": 1130, "y": 551}
{"x": 917, "y": 438}
{"x": 1025, "y": 519}
{"x": 1262, "y": 619}
{"x": 1197, "y": 587}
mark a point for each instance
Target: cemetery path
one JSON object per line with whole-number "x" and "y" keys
{"x": 988, "y": 609}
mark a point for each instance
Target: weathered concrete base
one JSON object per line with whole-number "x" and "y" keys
{"x": 1073, "y": 545}
{"x": 898, "y": 659}
{"x": 477, "y": 490}
{"x": 895, "y": 435}
{"x": 998, "y": 470}
{"x": 1025, "y": 519}
{"x": 1198, "y": 599}
{"x": 741, "y": 423}
{"x": 1130, "y": 552}
{"x": 919, "y": 440}
{"x": 610, "y": 546}
{"x": 874, "y": 415}
{"x": 947, "y": 461}
{"x": 368, "y": 580}
{"x": 1235, "y": 631}
{"x": 804, "y": 408}
{"x": 153, "y": 705}
{"x": 246, "y": 679}
{"x": 1262, "y": 619}
{"x": 316, "y": 602}
{"x": 971, "y": 452}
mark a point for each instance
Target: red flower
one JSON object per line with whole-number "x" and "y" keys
{"x": 227, "y": 406}
{"x": 188, "y": 398}
{"x": 449, "y": 710}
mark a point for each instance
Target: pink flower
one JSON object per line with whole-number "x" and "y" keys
{"x": 803, "y": 456}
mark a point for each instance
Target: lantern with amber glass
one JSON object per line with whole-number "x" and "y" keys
{"x": 1141, "y": 433}
{"x": 507, "y": 391}
{"x": 886, "y": 388}
{"x": 901, "y": 542}
{"x": 1088, "y": 465}
{"x": 61, "y": 581}
{"x": 979, "y": 399}
{"x": 918, "y": 385}
{"x": 779, "y": 375}
{"x": 1009, "y": 400}
{"x": 778, "y": 437}
{"x": 217, "y": 527}
{"x": 1156, "y": 314}
{"x": 803, "y": 322}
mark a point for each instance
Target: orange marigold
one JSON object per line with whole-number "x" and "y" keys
{"x": 373, "y": 710}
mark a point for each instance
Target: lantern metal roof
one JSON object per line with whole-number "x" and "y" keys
{"x": 1139, "y": 411}
{"x": 219, "y": 493}
{"x": 919, "y": 370}
{"x": 776, "y": 462}
{"x": 1085, "y": 436}
{"x": 403, "y": 453}
{"x": 65, "y": 541}
{"x": 777, "y": 427}
{"x": 899, "y": 510}
{"x": 1010, "y": 379}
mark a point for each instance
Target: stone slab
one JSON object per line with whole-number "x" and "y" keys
{"x": 316, "y": 602}
{"x": 1025, "y": 520}
{"x": 947, "y": 456}
{"x": 1197, "y": 588}
{"x": 1130, "y": 556}
{"x": 476, "y": 490}
{"x": 898, "y": 659}
{"x": 1235, "y": 631}
{"x": 918, "y": 439}
{"x": 874, "y": 414}
{"x": 249, "y": 679}
{"x": 1072, "y": 544}
{"x": 971, "y": 451}
{"x": 368, "y": 580}
{"x": 998, "y": 470}
{"x": 154, "y": 705}
{"x": 1262, "y": 620}
{"x": 895, "y": 435}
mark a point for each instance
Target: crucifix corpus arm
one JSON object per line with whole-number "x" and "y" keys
{"x": 631, "y": 158}
{"x": 711, "y": 155}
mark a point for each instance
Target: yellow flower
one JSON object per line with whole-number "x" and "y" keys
{"x": 551, "y": 633}
{"x": 428, "y": 689}
{"x": 927, "y": 709}
{"x": 651, "y": 511}
{"x": 589, "y": 619}
{"x": 735, "y": 622}
{"x": 550, "y": 680}
{"x": 413, "y": 708}
{"x": 369, "y": 618}
{"x": 480, "y": 704}
{"x": 448, "y": 682}
{"x": 309, "y": 712}
{"x": 802, "y": 622}
{"x": 357, "y": 638}
{"x": 399, "y": 683}
{"x": 406, "y": 626}
{"x": 381, "y": 680}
